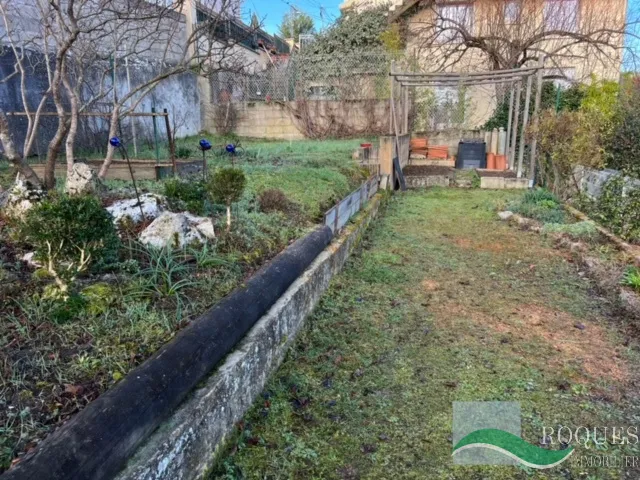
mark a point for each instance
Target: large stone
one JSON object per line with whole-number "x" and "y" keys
{"x": 82, "y": 180}
{"x": 506, "y": 215}
{"x": 177, "y": 230}
{"x": 22, "y": 197}
{"x": 152, "y": 207}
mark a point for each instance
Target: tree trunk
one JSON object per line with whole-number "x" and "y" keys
{"x": 73, "y": 126}
{"x": 113, "y": 130}
{"x": 56, "y": 142}
{"x": 10, "y": 151}
{"x": 228, "y": 218}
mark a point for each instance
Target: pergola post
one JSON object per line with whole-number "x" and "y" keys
{"x": 536, "y": 121}
{"x": 525, "y": 121}
{"x": 514, "y": 132}
{"x": 405, "y": 128}
{"x": 392, "y": 80}
{"x": 510, "y": 118}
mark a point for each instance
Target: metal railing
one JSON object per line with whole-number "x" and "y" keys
{"x": 338, "y": 216}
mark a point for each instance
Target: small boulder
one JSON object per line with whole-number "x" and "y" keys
{"x": 177, "y": 230}
{"x": 152, "y": 207}
{"x": 506, "y": 215}
{"x": 22, "y": 197}
{"x": 82, "y": 180}
{"x": 29, "y": 259}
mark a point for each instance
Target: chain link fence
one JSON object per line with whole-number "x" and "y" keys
{"x": 353, "y": 76}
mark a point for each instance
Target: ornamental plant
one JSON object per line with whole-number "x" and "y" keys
{"x": 70, "y": 234}
{"x": 226, "y": 187}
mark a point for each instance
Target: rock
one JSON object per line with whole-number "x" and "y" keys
{"x": 82, "y": 180}
{"x": 152, "y": 206}
{"x": 28, "y": 259}
{"x": 506, "y": 215}
{"x": 177, "y": 230}
{"x": 203, "y": 224}
{"x": 21, "y": 198}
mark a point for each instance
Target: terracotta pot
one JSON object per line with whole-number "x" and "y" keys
{"x": 501, "y": 162}
{"x": 491, "y": 161}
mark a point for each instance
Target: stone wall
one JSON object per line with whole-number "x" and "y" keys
{"x": 592, "y": 181}
{"x": 284, "y": 120}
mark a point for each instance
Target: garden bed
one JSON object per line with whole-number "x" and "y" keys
{"x": 56, "y": 357}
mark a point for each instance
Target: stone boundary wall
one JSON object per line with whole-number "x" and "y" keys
{"x": 592, "y": 181}
{"x": 276, "y": 119}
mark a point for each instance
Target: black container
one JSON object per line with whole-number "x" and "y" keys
{"x": 472, "y": 154}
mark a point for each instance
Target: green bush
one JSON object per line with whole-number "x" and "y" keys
{"x": 226, "y": 187}
{"x": 190, "y": 195}
{"x": 70, "y": 235}
{"x": 541, "y": 205}
{"x": 63, "y": 227}
{"x": 183, "y": 152}
{"x": 617, "y": 208}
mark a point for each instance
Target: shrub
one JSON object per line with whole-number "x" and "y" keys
{"x": 618, "y": 208}
{"x": 226, "y": 187}
{"x": 186, "y": 195}
{"x": 183, "y": 152}
{"x": 274, "y": 200}
{"x": 541, "y": 205}
{"x": 69, "y": 235}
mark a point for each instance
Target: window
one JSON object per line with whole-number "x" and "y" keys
{"x": 512, "y": 11}
{"x": 561, "y": 15}
{"x": 452, "y": 19}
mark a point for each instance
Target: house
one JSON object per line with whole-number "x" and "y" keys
{"x": 185, "y": 95}
{"x": 579, "y": 38}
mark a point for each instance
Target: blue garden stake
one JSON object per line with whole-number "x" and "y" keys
{"x": 231, "y": 150}
{"x": 116, "y": 143}
{"x": 204, "y": 146}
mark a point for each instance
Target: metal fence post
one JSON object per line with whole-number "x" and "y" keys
{"x": 525, "y": 120}
{"x": 514, "y": 132}
{"x": 510, "y": 118}
{"x": 536, "y": 121}
{"x": 155, "y": 134}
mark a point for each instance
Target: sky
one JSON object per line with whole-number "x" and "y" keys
{"x": 272, "y": 11}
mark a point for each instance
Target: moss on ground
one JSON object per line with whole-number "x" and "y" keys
{"x": 444, "y": 303}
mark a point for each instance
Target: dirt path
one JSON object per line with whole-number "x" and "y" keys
{"x": 443, "y": 304}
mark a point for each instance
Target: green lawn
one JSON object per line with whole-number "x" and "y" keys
{"x": 443, "y": 303}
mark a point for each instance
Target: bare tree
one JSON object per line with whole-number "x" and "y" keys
{"x": 84, "y": 44}
{"x": 504, "y": 34}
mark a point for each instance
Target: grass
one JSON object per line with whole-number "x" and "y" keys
{"x": 443, "y": 303}
{"x": 55, "y": 360}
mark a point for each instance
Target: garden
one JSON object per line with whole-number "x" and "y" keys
{"x": 94, "y": 280}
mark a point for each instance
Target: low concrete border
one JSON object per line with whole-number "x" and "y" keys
{"x": 504, "y": 183}
{"x": 184, "y": 447}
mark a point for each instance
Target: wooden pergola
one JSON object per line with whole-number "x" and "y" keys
{"x": 401, "y": 82}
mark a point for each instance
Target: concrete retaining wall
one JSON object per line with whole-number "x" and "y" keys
{"x": 185, "y": 446}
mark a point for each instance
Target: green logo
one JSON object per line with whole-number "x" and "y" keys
{"x": 513, "y": 447}
{"x": 490, "y": 433}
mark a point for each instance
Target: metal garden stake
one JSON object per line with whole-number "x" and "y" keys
{"x": 204, "y": 146}
{"x": 116, "y": 143}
